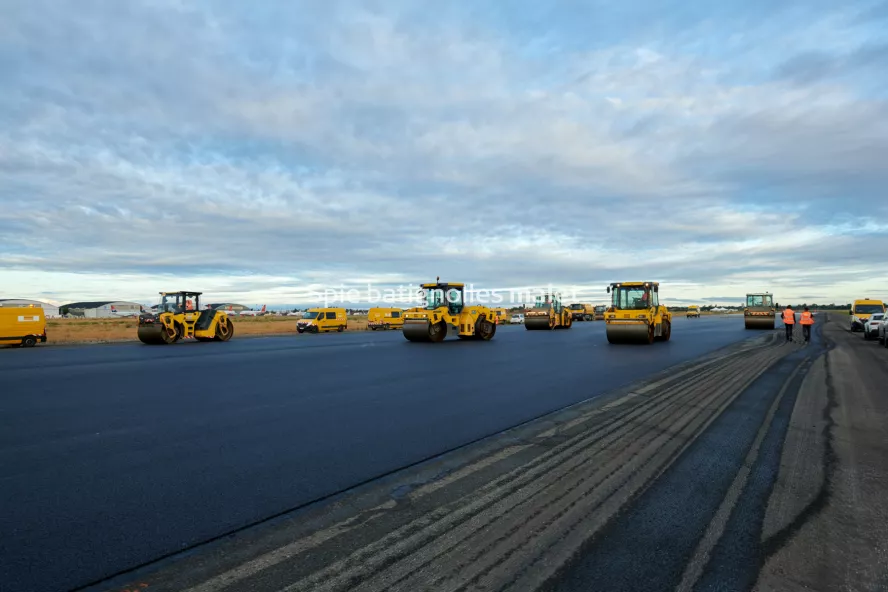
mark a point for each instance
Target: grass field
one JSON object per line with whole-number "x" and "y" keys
{"x": 105, "y": 330}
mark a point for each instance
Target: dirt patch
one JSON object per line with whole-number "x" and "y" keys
{"x": 105, "y": 330}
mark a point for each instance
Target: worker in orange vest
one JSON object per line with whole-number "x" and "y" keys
{"x": 807, "y": 320}
{"x": 789, "y": 322}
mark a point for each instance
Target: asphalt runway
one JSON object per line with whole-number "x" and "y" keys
{"x": 113, "y": 456}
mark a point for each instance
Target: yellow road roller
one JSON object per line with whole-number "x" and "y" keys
{"x": 548, "y": 313}
{"x": 446, "y": 314}
{"x": 636, "y": 315}
{"x": 759, "y": 312}
{"x": 179, "y": 316}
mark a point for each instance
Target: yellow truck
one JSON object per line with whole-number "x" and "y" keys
{"x": 693, "y": 312}
{"x": 381, "y": 319}
{"x": 862, "y": 310}
{"x": 500, "y": 315}
{"x": 582, "y": 312}
{"x": 22, "y": 325}
{"x": 323, "y": 320}
{"x": 599, "y": 312}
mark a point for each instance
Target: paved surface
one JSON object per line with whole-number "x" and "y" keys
{"x": 113, "y": 456}
{"x": 763, "y": 466}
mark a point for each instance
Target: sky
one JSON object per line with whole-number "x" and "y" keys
{"x": 266, "y": 152}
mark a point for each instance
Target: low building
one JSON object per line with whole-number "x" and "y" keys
{"x": 103, "y": 309}
{"x": 49, "y": 310}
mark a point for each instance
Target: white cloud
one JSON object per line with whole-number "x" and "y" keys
{"x": 332, "y": 142}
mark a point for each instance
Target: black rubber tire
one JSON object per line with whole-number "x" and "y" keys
{"x": 340, "y": 329}
{"x": 29, "y": 341}
{"x": 667, "y": 333}
{"x": 301, "y": 330}
{"x": 587, "y": 318}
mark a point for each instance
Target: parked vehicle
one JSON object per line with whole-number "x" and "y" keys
{"x": 861, "y": 311}
{"x": 320, "y": 320}
{"x": 872, "y": 324}
{"x": 379, "y": 318}
{"x": 22, "y": 325}
{"x": 517, "y": 319}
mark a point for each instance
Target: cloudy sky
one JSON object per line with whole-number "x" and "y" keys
{"x": 261, "y": 151}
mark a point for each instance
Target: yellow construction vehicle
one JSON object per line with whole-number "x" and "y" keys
{"x": 759, "y": 312}
{"x": 599, "y": 312}
{"x": 179, "y": 316}
{"x": 636, "y": 315}
{"x": 548, "y": 313}
{"x": 446, "y": 314}
{"x": 693, "y": 312}
{"x": 582, "y": 312}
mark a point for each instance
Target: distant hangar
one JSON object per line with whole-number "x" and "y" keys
{"x": 103, "y": 309}
{"x": 49, "y": 310}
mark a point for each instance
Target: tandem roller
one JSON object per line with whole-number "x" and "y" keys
{"x": 179, "y": 316}
{"x": 446, "y": 312}
{"x": 636, "y": 315}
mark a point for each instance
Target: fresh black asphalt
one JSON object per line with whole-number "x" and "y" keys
{"x": 115, "y": 455}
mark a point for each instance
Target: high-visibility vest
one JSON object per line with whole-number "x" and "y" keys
{"x": 807, "y": 318}
{"x": 788, "y": 317}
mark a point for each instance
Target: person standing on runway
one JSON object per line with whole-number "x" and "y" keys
{"x": 789, "y": 322}
{"x": 806, "y": 321}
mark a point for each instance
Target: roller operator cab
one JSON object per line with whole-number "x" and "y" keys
{"x": 447, "y": 314}
{"x": 636, "y": 315}
{"x": 323, "y": 320}
{"x": 179, "y": 316}
{"x": 23, "y": 326}
{"x": 760, "y": 311}
{"x": 861, "y": 311}
{"x": 548, "y": 313}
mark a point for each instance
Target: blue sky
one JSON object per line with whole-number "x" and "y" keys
{"x": 259, "y": 152}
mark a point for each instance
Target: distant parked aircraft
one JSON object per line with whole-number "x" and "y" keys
{"x": 252, "y": 313}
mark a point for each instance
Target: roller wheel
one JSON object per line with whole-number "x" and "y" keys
{"x": 587, "y": 318}
{"x": 484, "y": 330}
{"x": 29, "y": 341}
{"x": 224, "y": 329}
{"x": 437, "y": 332}
{"x": 650, "y": 336}
{"x": 301, "y": 330}
{"x": 667, "y": 331}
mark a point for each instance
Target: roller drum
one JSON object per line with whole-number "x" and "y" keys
{"x": 760, "y": 323}
{"x": 154, "y": 335}
{"x": 537, "y": 323}
{"x": 628, "y": 333}
{"x": 423, "y": 330}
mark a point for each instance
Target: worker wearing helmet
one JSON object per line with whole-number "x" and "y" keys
{"x": 807, "y": 321}
{"x": 788, "y": 322}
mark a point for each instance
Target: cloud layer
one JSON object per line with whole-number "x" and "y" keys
{"x": 256, "y": 151}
